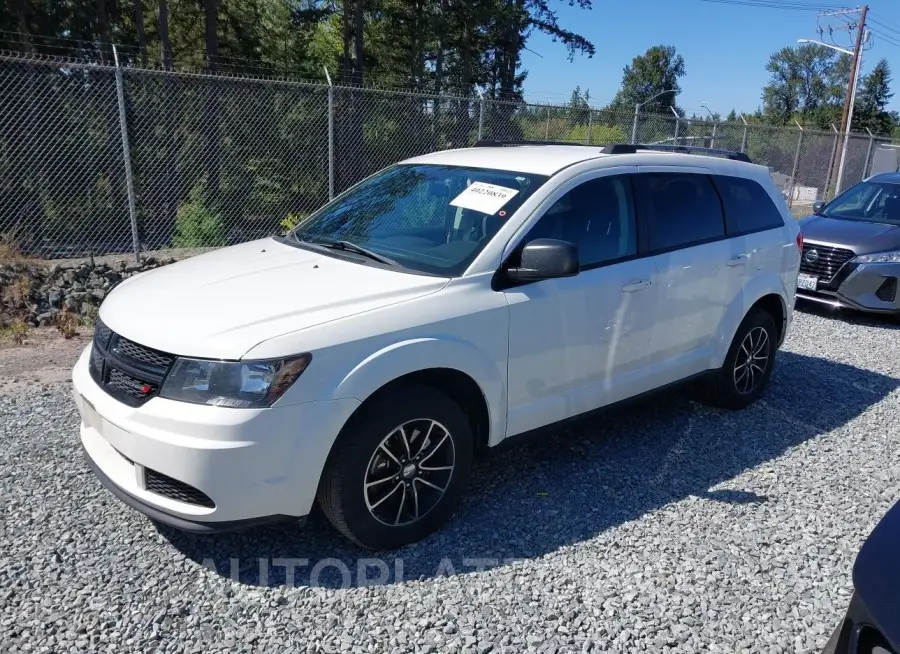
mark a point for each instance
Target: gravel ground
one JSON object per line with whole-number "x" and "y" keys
{"x": 667, "y": 527}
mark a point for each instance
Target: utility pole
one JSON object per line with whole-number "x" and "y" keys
{"x": 850, "y": 97}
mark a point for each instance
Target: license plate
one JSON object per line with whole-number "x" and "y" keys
{"x": 807, "y": 282}
{"x": 89, "y": 414}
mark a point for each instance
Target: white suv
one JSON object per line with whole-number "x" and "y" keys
{"x": 432, "y": 311}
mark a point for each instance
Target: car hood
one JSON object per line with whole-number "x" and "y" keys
{"x": 857, "y": 235}
{"x": 220, "y": 304}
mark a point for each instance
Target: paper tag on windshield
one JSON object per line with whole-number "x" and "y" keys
{"x": 483, "y": 197}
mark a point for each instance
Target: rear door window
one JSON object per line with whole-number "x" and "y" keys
{"x": 748, "y": 208}
{"x": 679, "y": 209}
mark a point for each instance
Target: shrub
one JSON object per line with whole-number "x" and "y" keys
{"x": 290, "y": 221}
{"x": 66, "y": 323}
{"x": 18, "y": 292}
{"x": 17, "y": 331}
{"x": 9, "y": 249}
{"x": 197, "y": 225}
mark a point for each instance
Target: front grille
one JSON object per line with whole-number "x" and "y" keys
{"x": 130, "y": 372}
{"x": 176, "y": 490}
{"x": 143, "y": 354}
{"x": 826, "y": 260}
{"x": 123, "y": 383}
{"x": 887, "y": 292}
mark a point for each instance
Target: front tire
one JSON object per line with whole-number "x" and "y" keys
{"x": 748, "y": 365}
{"x": 398, "y": 469}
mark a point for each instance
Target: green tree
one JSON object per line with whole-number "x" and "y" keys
{"x": 579, "y": 106}
{"x": 872, "y": 100}
{"x": 657, "y": 71}
{"x": 807, "y": 83}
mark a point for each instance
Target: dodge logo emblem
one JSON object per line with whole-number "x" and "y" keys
{"x": 811, "y": 256}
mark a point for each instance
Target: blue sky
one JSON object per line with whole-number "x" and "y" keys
{"x": 725, "y": 47}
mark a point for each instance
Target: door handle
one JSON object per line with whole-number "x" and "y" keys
{"x": 636, "y": 286}
{"x": 739, "y": 260}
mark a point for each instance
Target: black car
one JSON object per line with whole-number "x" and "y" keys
{"x": 872, "y": 623}
{"x": 851, "y": 248}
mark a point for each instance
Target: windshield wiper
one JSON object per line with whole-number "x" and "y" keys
{"x": 348, "y": 246}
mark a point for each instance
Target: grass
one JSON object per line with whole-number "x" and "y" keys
{"x": 10, "y": 253}
{"x": 18, "y": 292}
{"x": 15, "y": 332}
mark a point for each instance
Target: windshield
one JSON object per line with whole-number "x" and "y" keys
{"x": 426, "y": 218}
{"x": 875, "y": 202}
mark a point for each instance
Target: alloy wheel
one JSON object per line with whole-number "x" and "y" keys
{"x": 751, "y": 361}
{"x": 409, "y": 472}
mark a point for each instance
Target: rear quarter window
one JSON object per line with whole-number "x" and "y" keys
{"x": 748, "y": 208}
{"x": 680, "y": 209}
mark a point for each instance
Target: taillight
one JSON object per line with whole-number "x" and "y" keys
{"x": 800, "y": 241}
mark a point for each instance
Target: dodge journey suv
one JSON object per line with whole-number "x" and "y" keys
{"x": 430, "y": 312}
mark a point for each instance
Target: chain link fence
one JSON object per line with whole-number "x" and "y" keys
{"x": 96, "y": 159}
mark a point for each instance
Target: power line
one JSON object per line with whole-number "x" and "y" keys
{"x": 887, "y": 27}
{"x": 886, "y": 38}
{"x": 775, "y": 4}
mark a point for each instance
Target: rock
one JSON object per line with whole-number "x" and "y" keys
{"x": 69, "y": 276}
{"x": 54, "y": 298}
{"x": 78, "y": 287}
{"x": 87, "y": 309}
{"x": 45, "y": 319}
{"x": 99, "y": 294}
{"x": 112, "y": 276}
{"x": 71, "y": 304}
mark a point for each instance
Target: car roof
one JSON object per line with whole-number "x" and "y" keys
{"x": 550, "y": 159}
{"x": 890, "y": 178}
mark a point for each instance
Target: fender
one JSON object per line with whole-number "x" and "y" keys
{"x": 755, "y": 289}
{"x": 405, "y": 357}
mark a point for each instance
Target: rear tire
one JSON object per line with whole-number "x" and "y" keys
{"x": 748, "y": 365}
{"x": 398, "y": 469}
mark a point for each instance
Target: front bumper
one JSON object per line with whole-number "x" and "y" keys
{"x": 857, "y": 287}
{"x": 248, "y": 466}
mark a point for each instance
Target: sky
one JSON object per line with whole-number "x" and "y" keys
{"x": 725, "y": 45}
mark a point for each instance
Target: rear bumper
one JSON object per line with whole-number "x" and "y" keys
{"x": 859, "y": 289}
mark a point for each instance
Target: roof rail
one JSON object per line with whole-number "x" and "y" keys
{"x": 488, "y": 143}
{"x": 628, "y": 148}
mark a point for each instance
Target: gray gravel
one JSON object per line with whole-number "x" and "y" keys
{"x": 668, "y": 527}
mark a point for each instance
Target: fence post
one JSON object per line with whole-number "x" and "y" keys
{"x": 712, "y": 142}
{"x": 126, "y": 154}
{"x": 330, "y": 136}
{"x": 796, "y": 163}
{"x": 480, "y": 115}
{"x": 744, "y": 138}
{"x": 637, "y": 109}
{"x": 677, "y": 122}
{"x": 547, "y": 128}
{"x": 868, "y": 162}
{"x": 590, "y": 125}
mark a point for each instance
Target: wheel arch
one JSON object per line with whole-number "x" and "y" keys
{"x": 764, "y": 293}
{"x": 458, "y": 369}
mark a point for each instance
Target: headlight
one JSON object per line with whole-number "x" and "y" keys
{"x": 892, "y": 256}
{"x": 237, "y": 384}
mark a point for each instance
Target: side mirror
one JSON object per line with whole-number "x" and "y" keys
{"x": 545, "y": 258}
{"x": 818, "y": 206}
